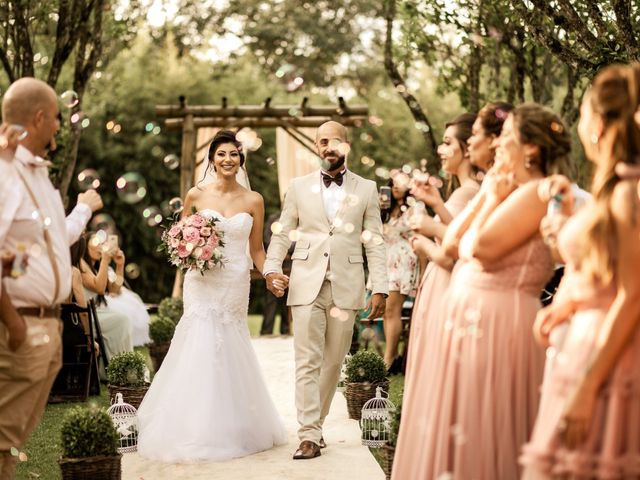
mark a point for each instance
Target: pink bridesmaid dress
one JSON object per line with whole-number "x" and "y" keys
{"x": 612, "y": 448}
{"x": 485, "y": 375}
{"x": 422, "y": 345}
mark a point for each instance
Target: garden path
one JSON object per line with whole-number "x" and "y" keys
{"x": 344, "y": 458}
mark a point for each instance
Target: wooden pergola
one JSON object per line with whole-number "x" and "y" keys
{"x": 190, "y": 118}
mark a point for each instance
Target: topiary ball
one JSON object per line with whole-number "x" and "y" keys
{"x": 88, "y": 432}
{"x": 171, "y": 308}
{"x": 366, "y": 366}
{"x": 161, "y": 329}
{"x": 126, "y": 369}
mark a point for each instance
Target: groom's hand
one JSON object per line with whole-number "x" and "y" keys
{"x": 376, "y": 306}
{"x": 277, "y": 283}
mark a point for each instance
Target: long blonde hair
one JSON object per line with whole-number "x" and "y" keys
{"x": 614, "y": 97}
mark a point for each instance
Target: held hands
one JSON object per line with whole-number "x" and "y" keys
{"x": 376, "y": 306}
{"x": 92, "y": 199}
{"x": 277, "y": 283}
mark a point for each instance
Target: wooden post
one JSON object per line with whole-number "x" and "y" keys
{"x": 187, "y": 169}
{"x": 187, "y": 160}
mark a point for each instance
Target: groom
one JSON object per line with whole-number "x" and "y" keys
{"x": 332, "y": 213}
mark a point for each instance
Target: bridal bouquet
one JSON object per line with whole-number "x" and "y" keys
{"x": 193, "y": 242}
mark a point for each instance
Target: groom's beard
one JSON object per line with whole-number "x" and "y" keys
{"x": 327, "y": 166}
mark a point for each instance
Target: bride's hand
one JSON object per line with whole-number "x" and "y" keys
{"x": 277, "y": 283}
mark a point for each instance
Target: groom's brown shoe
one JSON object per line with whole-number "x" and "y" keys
{"x": 307, "y": 450}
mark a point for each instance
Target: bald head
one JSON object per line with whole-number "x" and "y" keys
{"x": 331, "y": 129}
{"x": 33, "y": 104}
{"x": 24, "y": 98}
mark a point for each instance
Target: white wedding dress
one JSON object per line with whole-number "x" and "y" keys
{"x": 208, "y": 401}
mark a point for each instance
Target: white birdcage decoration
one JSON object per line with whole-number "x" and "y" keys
{"x": 343, "y": 373}
{"x": 125, "y": 419}
{"x": 375, "y": 421}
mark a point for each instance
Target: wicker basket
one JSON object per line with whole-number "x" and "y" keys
{"x": 157, "y": 352}
{"x": 357, "y": 395}
{"x": 96, "y": 468}
{"x": 388, "y": 453}
{"x": 131, "y": 395}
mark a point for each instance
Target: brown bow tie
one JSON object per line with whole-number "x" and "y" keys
{"x": 327, "y": 179}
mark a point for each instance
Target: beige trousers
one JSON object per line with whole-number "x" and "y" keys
{"x": 321, "y": 342}
{"x": 26, "y": 377}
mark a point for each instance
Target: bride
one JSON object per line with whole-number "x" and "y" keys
{"x": 209, "y": 401}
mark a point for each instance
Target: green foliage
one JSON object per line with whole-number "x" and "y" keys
{"x": 395, "y": 425}
{"x": 366, "y": 366}
{"x": 161, "y": 329}
{"x": 88, "y": 432}
{"x": 126, "y": 369}
{"x": 171, "y": 308}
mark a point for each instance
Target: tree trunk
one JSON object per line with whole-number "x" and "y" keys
{"x": 422, "y": 121}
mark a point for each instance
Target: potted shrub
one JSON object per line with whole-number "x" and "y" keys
{"x": 389, "y": 449}
{"x": 126, "y": 374}
{"x": 172, "y": 308}
{"x": 365, "y": 371}
{"x": 161, "y": 332}
{"x": 89, "y": 445}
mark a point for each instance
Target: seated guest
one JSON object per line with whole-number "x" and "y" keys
{"x": 116, "y": 328}
{"x": 118, "y": 297}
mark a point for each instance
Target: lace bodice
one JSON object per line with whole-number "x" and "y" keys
{"x": 236, "y": 232}
{"x": 221, "y": 294}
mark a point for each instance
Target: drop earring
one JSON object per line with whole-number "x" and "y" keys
{"x": 594, "y": 138}
{"x": 527, "y": 163}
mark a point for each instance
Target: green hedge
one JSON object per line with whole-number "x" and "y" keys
{"x": 366, "y": 366}
{"x": 126, "y": 369}
{"x": 88, "y": 432}
{"x": 161, "y": 329}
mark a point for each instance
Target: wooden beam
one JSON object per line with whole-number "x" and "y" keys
{"x": 199, "y": 122}
{"x": 342, "y": 110}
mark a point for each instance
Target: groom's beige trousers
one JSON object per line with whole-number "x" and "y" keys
{"x": 321, "y": 342}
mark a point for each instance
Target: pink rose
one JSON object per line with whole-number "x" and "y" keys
{"x": 207, "y": 252}
{"x": 183, "y": 252}
{"x": 201, "y": 242}
{"x": 213, "y": 241}
{"x": 191, "y": 235}
{"x": 174, "y": 231}
{"x": 196, "y": 220}
{"x": 205, "y": 231}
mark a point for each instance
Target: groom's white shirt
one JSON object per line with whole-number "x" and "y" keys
{"x": 332, "y": 196}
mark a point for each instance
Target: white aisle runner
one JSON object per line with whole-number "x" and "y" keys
{"x": 344, "y": 458}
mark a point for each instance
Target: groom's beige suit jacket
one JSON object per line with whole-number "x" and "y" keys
{"x": 337, "y": 246}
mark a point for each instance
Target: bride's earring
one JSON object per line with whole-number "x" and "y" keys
{"x": 527, "y": 163}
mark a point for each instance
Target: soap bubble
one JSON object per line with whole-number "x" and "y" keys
{"x": 152, "y": 215}
{"x": 132, "y": 271}
{"x": 69, "y": 98}
{"x": 132, "y": 187}
{"x": 171, "y": 161}
{"x": 176, "y": 205}
{"x": 88, "y": 178}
